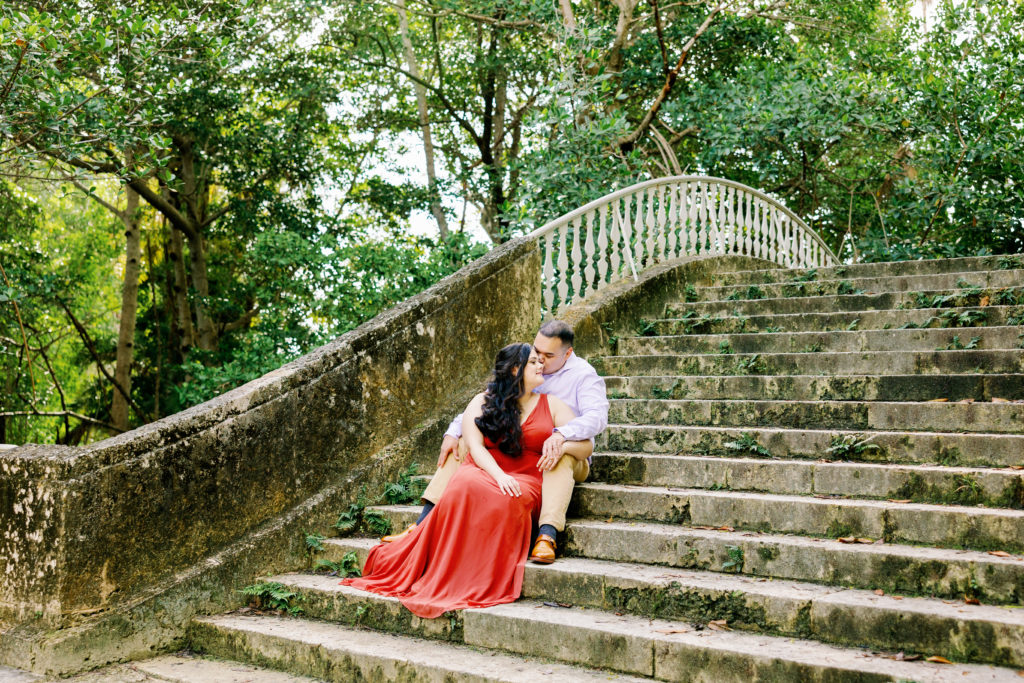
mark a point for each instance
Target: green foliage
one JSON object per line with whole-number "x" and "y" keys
{"x": 956, "y": 345}
{"x": 751, "y": 292}
{"x": 646, "y": 328}
{"x": 850, "y": 447}
{"x": 349, "y": 566}
{"x": 816, "y": 347}
{"x": 961, "y": 318}
{"x": 751, "y": 365}
{"x": 846, "y": 287}
{"x": 735, "y": 561}
{"x": 724, "y": 347}
{"x": 1011, "y": 262}
{"x": 746, "y": 443}
{"x": 690, "y": 293}
{"x": 314, "y": 542}
{"x": 376, "y": 523}
{"x": 273, "y": 596}
{"x": 694, "y": 323}
{"x": 406, "y": 489}
{"x": 853, "y": 325}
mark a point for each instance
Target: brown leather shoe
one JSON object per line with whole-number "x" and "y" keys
{"x": 543, "y": 550}
{"x": 401, "y": 534}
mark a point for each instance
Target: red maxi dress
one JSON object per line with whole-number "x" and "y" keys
{"x": 471, "y": 550}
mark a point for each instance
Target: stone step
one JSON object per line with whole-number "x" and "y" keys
{"x": 944, "y": 448}
{"x": 824, "y": 362}
{"x": 819, "y": 388}
{"x": 675, "y": 651}
{"x": 845, "y": 302}
{"x": 991, "y": 418}
{"x": 808, "y": 284}
{"x": 764, "y": 321}
{"x": 180, "y": 667}
{"x": 1003, "y": 337}
{"x": 917, "y": 483}
{"x": 955, "y": 630}
{"x": 892, "y": 568}
{"x": 968, "y": 265}
{"x": 946, "y": 526}
{"x": 335, "y": 652}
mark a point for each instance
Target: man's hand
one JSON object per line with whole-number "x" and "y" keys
{"x": 448, "y": 445}
{"x": 551, "y": 453}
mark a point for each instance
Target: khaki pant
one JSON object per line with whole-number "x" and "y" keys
{"x": 556, "y": 487}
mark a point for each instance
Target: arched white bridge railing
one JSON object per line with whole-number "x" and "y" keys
{"x": 628, "y": 231}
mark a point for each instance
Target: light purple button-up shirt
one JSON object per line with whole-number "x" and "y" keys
{"x": 579, "y": 385}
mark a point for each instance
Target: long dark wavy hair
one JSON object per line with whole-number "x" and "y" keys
{"x": 499, "y": 420}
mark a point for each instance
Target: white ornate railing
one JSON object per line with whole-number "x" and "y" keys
{"x": 628, "y": 231}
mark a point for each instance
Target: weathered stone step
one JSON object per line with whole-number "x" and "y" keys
{"x": 798, "y": 284}
{"x": 186, "y": 668}
{"x": 340, "y": 653}
{"x": 991, "y": 418}
{"x": 947, "y": 526}
{"x": 820, "y": 388}
{"x": 843, "y": 302}
{"x": 969, "y": 264}
{"x": 945, "y": 448}
{"x": 777, "y": 607}
{"x": 917, "y": 483}
{"x": 764, "y": 321}
{"x": 674, "y": 651}
{"x": 1003, "y": 337}
{"x": 893, "y": 568}
{"x": 825, "y": 362}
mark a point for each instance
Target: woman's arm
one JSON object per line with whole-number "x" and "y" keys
{"x": 562, "y": 414}
{"x": 481, "y": 456}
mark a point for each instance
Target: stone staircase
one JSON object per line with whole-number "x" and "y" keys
{"x": 807, "y": 476}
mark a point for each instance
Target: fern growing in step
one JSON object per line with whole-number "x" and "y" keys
{"x": 746, "y": 443}
{"x": 273, "y": 596}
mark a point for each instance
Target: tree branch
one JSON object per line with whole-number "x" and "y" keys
{"x": 60, "y": 413}
{"x": 626, "y": 143}
{"x": 91, "y": 347}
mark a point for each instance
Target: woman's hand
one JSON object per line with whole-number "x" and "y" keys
{"x": 508, "y": 484}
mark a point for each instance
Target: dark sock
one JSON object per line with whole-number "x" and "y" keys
{"x": 548, "y": 530}
{"x": 427, "y": 507}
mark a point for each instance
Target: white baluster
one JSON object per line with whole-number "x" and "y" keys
{"x": 772, "y": 241}
{"x": 629, "y": 237}
{"x": 673, "y": 221}
{"x": 588, "y": 254}
{"x": 549, "y": 287}
{"x": 730, "y": 220}
{"x": 723, "y": 219}
{"x": 577, "y": 260}
{"x": 714, "y": 234}
{"x": 702, "y": 217}
{"x": 602, "y": 246}
{"x": 691, "y": 245}
{"x": 616, "y": 234}
{"x": 563, "y": 269}
{"x": 651, "y": 226}
{"x": 748, "y": 225}
{"x": 636, "y": 235}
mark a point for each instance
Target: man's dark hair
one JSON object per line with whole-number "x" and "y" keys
{"x": 556, "y": 328}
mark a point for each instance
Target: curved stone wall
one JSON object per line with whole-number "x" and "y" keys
{"x": 111, "y": 529}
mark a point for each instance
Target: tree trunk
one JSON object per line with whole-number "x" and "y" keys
{"x": 197, "y": 263}
{"x": 182, "y": 312}
{"x": 129, "y": 306}
{"x": 421, "y": 103}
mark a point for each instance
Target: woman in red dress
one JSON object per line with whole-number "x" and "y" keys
{"x": 471, "y": 551}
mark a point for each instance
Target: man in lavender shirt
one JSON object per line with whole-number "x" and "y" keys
{"x": 571, "y": 379}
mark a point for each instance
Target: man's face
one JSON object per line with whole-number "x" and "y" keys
{"x": 552, "y": 352}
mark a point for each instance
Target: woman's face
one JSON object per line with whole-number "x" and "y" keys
{"x": 533, "y": 376}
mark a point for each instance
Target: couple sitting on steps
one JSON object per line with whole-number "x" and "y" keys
{"x": 509, "y": 461}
